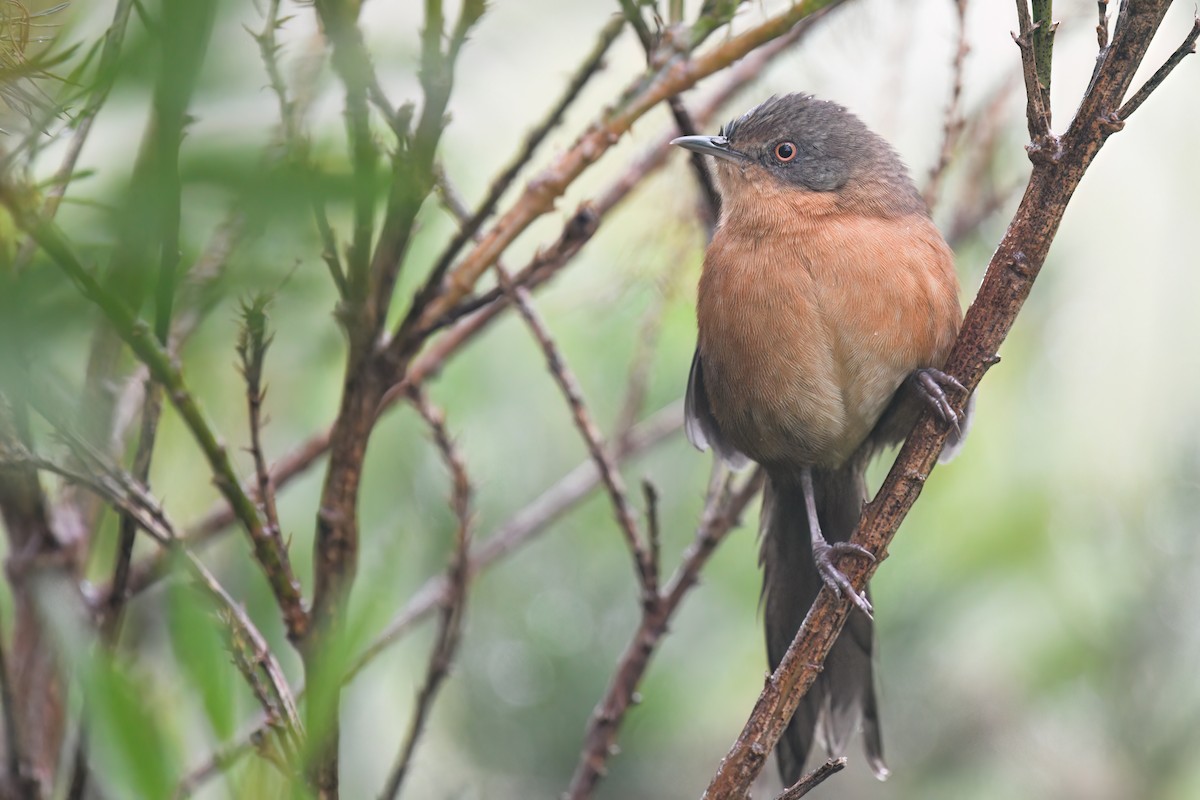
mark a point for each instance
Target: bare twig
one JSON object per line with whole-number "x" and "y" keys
{"x": 1187, "y": 48}
{"x": 953, "y": 126}
{"x": 721, "y": 514}
{"x": 414, "y": 174}
{"x": 115, "y": 600}
{"x": 1009, "y": 279}
{"x": 588, "y": 429}
{"x": 293, "y": 139}
{"x": 253, "y": 341}
{"x": 653, "y": 534}
{"x": 978, "y": 196}
{"x": 453, "y": 607}
{"x": 1102, "y": 24}
{"x": 523, "y": 526}
{"x": 813, "y": 779}
{"x": 583, "y": 419}
{"x": 683, "y": 120}
{"x": 591, "y": 65}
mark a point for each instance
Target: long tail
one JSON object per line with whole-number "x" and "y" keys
{"x": 844, "y": 693}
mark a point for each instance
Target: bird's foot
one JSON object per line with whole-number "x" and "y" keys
{"x": 931, "y": 385}
{"x": 825, "y": 555}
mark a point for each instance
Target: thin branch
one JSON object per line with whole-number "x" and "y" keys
{"x": 978, "y": 197}
{"x": 954, "y": 123}
{"x": 1102, "y": 24}
{"x": 583, "y": 419}
{"x": 653, "y": 535}
{"x": 721, "y": 514}
{"x": 1010, "y": 275}
{"x": 813, "y": 779}
{"x": 588, "y": 429}
{"x": 293, "y": 139}
{"x": 522, "y": 527}
{"x": 1187, "y": 48}
{"x": 591, "y": 65}
{"x": 116, "y": 599}
{"x": 414, "y": 170}
{"x": 679, "y": 112}
{"x": 283, "y": 710}
{"x": 253, "y": 341}
{"x": 353, "y": 66}
{"x": 453, "y": 607}
{"x": 633, "y": 15}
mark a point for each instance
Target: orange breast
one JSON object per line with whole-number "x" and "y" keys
{"x": 808, "y": 328}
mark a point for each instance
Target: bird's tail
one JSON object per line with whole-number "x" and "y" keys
{"x": 844, "y": 693}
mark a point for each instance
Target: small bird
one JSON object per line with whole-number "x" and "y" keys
{"x": 827, "y": 304}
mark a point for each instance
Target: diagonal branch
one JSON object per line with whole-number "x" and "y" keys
{"x": 721, "y": 514}
{"x": 454, "y": 605}
{"x": 813, "y": 779}
{"x": 1187, "y": 48}
{"x": 679, "y": 73}
{"x": 592, "y": 64}
{"x": 590, "y": 432}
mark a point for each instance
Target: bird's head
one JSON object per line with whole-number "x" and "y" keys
{"x": 797, "y": 143}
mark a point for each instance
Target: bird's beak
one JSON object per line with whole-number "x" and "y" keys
{"x": 716, "y": 146}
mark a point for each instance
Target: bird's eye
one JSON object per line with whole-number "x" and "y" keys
{"x": 785, "y": 151}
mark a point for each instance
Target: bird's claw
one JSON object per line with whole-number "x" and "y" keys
{"x": 931, "y": 385}
{"x": 825, "y": 554}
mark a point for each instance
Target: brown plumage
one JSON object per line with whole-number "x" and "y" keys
{"x": 827, "y": 303}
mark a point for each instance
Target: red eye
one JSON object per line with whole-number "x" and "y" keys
{"x": 785, "y": 151}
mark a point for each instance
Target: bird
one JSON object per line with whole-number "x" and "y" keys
{"x": 827, "y": 304}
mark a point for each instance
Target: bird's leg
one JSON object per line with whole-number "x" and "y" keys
{"x": 824, "y": 553}
{"x": 931, "y": 385}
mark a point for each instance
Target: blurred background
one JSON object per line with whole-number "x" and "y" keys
{"x": 1037, "y": 614}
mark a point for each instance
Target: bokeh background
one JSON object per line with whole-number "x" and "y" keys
{"x": 1037, "y": 616}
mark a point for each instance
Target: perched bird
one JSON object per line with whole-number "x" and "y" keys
{"x": 827, "y": 304}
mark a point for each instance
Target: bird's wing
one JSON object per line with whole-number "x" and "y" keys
{"x": 699, "y": 423}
